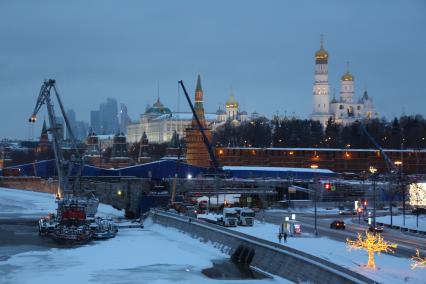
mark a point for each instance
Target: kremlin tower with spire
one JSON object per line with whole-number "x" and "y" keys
{"x": 44, "y": 145}
{"x": 196, "y": 151}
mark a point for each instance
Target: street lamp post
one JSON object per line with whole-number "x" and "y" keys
{"x": 417, "y": 207}
{"x": 373, "y": 170}
{"x": 315, "y": 205}
{"x": 402, "y": 181}
{"x": 403, "y": 201}
{"x": 374, "y": 202}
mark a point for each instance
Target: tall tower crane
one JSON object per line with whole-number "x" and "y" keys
{"x": 75, "y": 220}
{"x": 64, "y": 167}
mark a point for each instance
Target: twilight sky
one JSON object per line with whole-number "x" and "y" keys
{"x": 263, "y": 50}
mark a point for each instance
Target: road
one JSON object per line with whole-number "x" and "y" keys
{"x": 407, "y": 243}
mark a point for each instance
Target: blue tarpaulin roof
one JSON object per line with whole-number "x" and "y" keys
{"x": 167, "y": 168}
{"x": 157, "y": 170}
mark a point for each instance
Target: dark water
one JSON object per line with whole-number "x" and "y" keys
{"x": 228, "y": 270}
{"x": 21, "y": 235}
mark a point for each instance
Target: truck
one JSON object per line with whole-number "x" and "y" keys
{"x": 229, "y": 218}
{"x": 245, "y": 216}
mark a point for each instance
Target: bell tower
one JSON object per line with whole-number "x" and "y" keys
{"x": 321, "y": 96}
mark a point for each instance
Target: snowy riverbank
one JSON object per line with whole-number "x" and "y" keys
{"x": 152, "y": 255}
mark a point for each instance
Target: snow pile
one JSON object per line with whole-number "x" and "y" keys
{"x": 391, "y": 269}
{"x": 410, "y": 221}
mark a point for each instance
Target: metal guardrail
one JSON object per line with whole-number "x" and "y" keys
{"x": 404, "y": 229}
{"x": 320, "y": 262}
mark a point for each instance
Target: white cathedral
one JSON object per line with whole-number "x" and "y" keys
{"x": 344, "y": 110}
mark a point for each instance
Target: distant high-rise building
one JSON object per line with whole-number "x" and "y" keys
{"x": 95, "y": 121}
{"x": 60, "y": 124}
{"x": 81, "y": 130}
{"x": 124, "y": 118}
{"x": 72, "y": 121}
{"x": 109, "y": 116}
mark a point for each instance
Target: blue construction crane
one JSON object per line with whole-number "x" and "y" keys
{"x": 389, "y": 164}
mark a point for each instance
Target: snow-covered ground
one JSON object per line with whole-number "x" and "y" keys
{"x": 152, "y": 255}
{"x": 410, "y": 221}
{"x": 391, "y": 269}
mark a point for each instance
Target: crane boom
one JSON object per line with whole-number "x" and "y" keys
{"x": 205, "y": 139}
{"x": 389, "y": 164}
{"x": 64, "y": 167}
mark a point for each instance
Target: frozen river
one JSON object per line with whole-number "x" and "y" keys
{"x": 154, "y": 254}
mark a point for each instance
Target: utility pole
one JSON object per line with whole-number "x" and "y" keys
{"x": 373, "y": 171}
{"x": 374, "y": 202}
{"x": 390, "y": 190}
{"x": 417, "y": 207}
{"x": 402, "y": 179}
{"x": 315, "y": 205}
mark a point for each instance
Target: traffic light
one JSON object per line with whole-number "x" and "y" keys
{"x": 359, "y": 210}
{"x": 327, "y": 186}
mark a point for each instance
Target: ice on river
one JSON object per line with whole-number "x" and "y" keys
{"x": 155, "y": 254}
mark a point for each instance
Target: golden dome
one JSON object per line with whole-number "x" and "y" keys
{"x": 347, "y": 77}
{"x": 231, "y": 102}
{"x": 321, "y": 54}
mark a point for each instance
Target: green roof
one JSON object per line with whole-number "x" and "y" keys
{"x": 198, "y": 88}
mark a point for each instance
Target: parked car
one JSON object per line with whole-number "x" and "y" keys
{"x": 338, "y": 225}
{"x": 376, "y": 229}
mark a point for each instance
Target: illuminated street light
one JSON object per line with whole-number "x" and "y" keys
{"x": 372, "y": 169}
{"x": 189, "y": 176}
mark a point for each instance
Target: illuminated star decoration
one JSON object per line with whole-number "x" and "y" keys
{"x": 372, "y": 243}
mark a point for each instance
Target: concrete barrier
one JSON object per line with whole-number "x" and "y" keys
{"x": 30, "y": 183}
{"x": 274, "y": 258}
